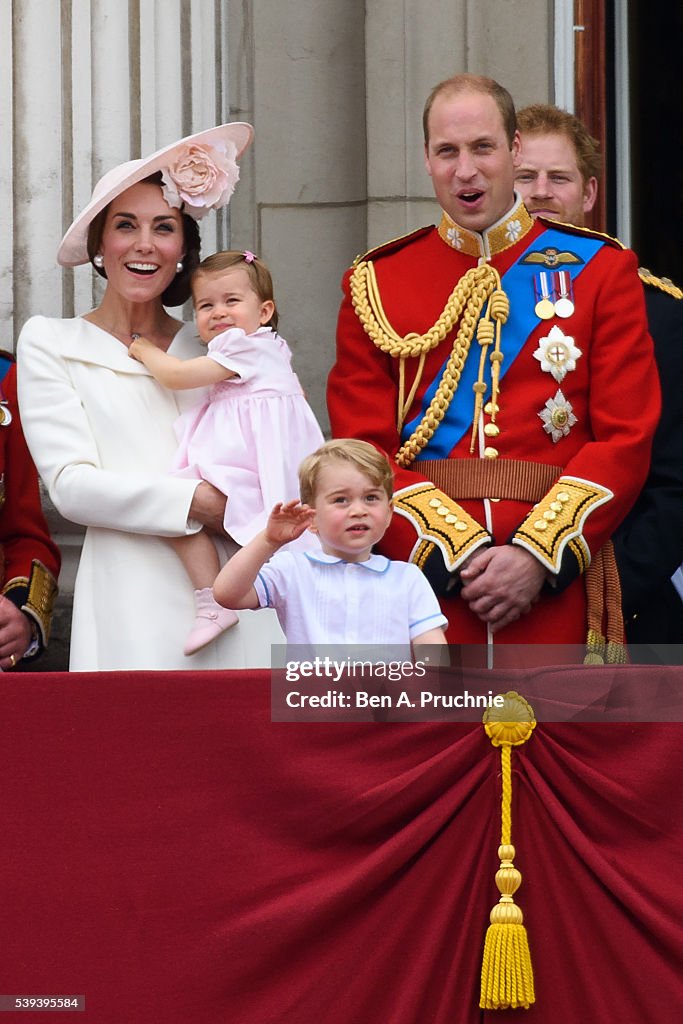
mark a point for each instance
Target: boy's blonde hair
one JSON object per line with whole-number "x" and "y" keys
{"x": 259, "y": 275}
{"x": 363, "y": 456}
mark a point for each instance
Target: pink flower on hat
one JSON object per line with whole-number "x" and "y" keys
{"x": 201, "y": 177}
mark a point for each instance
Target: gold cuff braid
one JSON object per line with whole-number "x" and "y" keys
{"x": 557, "y": 520}
{"x": 42, "y": 591}
{"x": 439, "y": 520}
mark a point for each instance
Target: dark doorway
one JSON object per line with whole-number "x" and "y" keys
{"x": 655, "y": 33}
{"x": 656, "y": 84}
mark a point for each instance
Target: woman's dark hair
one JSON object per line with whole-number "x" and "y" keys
{"x": 179, "y": 289}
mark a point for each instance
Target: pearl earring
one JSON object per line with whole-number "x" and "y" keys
{"x": 178, "y": 266}
{"x": 98, "y": 260}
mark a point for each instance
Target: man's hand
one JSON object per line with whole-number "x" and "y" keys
{"x": 287, "y": 522}
{"x": 15, "y": 634}
{"x": 502, "y": 583}
{"x": 208, "y": 507}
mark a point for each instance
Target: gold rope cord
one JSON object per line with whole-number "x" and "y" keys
{"x": 448, "y": 385}
{"x": 616, "y": 641}
{"x": 604, "y": 643}
{"x": 465, "y": 304}
{"x": 499, "y": 310}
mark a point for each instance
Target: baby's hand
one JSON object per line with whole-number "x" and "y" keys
{"x": 138, "y": 347}
{"x": 288, "y": 521}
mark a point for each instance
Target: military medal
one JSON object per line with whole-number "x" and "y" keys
{"x": 557, "y": 354}
{"x": 564, "y": 305}
{"x": 544, "y": 307}
{"x": 5, "y": 414}
{"x": 558, "y": 417}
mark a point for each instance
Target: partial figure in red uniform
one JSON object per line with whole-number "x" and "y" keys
{"x": 30, "y": 559}
{"x": 505, "y": 364}
{"x": 558, "y": 178}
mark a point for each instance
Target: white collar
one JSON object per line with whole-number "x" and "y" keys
{"x": 85, "y": 342}
{"x": 376, "y": 563}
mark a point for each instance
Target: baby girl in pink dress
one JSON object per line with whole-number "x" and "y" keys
{"x": 250, "y": 432}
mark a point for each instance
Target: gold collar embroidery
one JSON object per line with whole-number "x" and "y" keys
{"x": 516, "y": 223}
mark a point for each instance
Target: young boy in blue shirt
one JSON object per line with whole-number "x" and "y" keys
{"x": 344, "y": 593}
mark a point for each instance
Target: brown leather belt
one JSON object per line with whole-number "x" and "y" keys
{"x": 513, "y": 479}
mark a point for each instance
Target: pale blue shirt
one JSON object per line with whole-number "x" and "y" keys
{"x": 321, "y": 599}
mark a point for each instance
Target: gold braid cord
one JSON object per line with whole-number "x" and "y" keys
{"x": 665, "y": 284}
{"x": 603, "y": 599}
{"x": 465, "y": 304}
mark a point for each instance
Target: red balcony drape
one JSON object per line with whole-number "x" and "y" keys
{"x": 173, "y": 855}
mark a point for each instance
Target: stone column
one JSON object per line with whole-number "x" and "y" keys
{"x": 298, "y": 73}
{"x": 87, "y": 84}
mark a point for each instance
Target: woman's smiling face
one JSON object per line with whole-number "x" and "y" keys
{"x": 142, "y": 240}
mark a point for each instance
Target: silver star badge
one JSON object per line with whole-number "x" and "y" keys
{"x": 558, "y": 417}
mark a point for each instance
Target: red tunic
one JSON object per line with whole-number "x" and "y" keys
{"x": 612, "y": 390}
{"x": 31, "y": 559}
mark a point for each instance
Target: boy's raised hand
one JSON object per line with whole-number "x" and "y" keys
{"x": 288, "y": 521}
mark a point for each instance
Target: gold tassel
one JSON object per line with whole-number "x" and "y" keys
{"x": 499, "y": 306}
{"x": 507, "y": 977}
{"x": 615, "y": 649}
{"x": 485, "y": 335}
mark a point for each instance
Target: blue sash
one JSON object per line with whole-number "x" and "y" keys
{"x": 518, "y": 284}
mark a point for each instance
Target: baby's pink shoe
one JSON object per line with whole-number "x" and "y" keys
{"x": 211, "y": 619}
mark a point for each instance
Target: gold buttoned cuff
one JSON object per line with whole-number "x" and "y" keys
{"x": 557, "y": 521}
{"x": 35, "y": 596}
{"x": 439, "y": 520}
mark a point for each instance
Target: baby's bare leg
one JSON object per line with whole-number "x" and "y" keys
{"x": 200, "y": 559}
{"x": 198, "y": 554}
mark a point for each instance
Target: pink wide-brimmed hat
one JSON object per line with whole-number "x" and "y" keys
{"x": 199, "y": 173}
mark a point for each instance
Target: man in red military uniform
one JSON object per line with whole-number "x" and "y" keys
{"x": 30, "y": 559}
{"x": 558, "y": 178}
{"x": 505, "y": 365}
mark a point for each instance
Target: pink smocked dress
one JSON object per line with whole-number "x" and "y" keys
{"x": 250, "y": 433}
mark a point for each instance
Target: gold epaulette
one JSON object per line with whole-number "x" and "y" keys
{"x": 575, "y": 229}
{"x": 664, "y": 284}
{"x": 393, "y": 245}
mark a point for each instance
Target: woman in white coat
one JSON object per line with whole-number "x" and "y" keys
{"x": 100, "y": 428}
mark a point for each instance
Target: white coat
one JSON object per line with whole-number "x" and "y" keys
{"x": 100, "y": 430}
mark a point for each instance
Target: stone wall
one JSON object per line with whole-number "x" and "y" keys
{"x": 335, "y": 92}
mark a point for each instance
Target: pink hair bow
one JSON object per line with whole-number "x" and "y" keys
{"x": 249, "y": 256}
